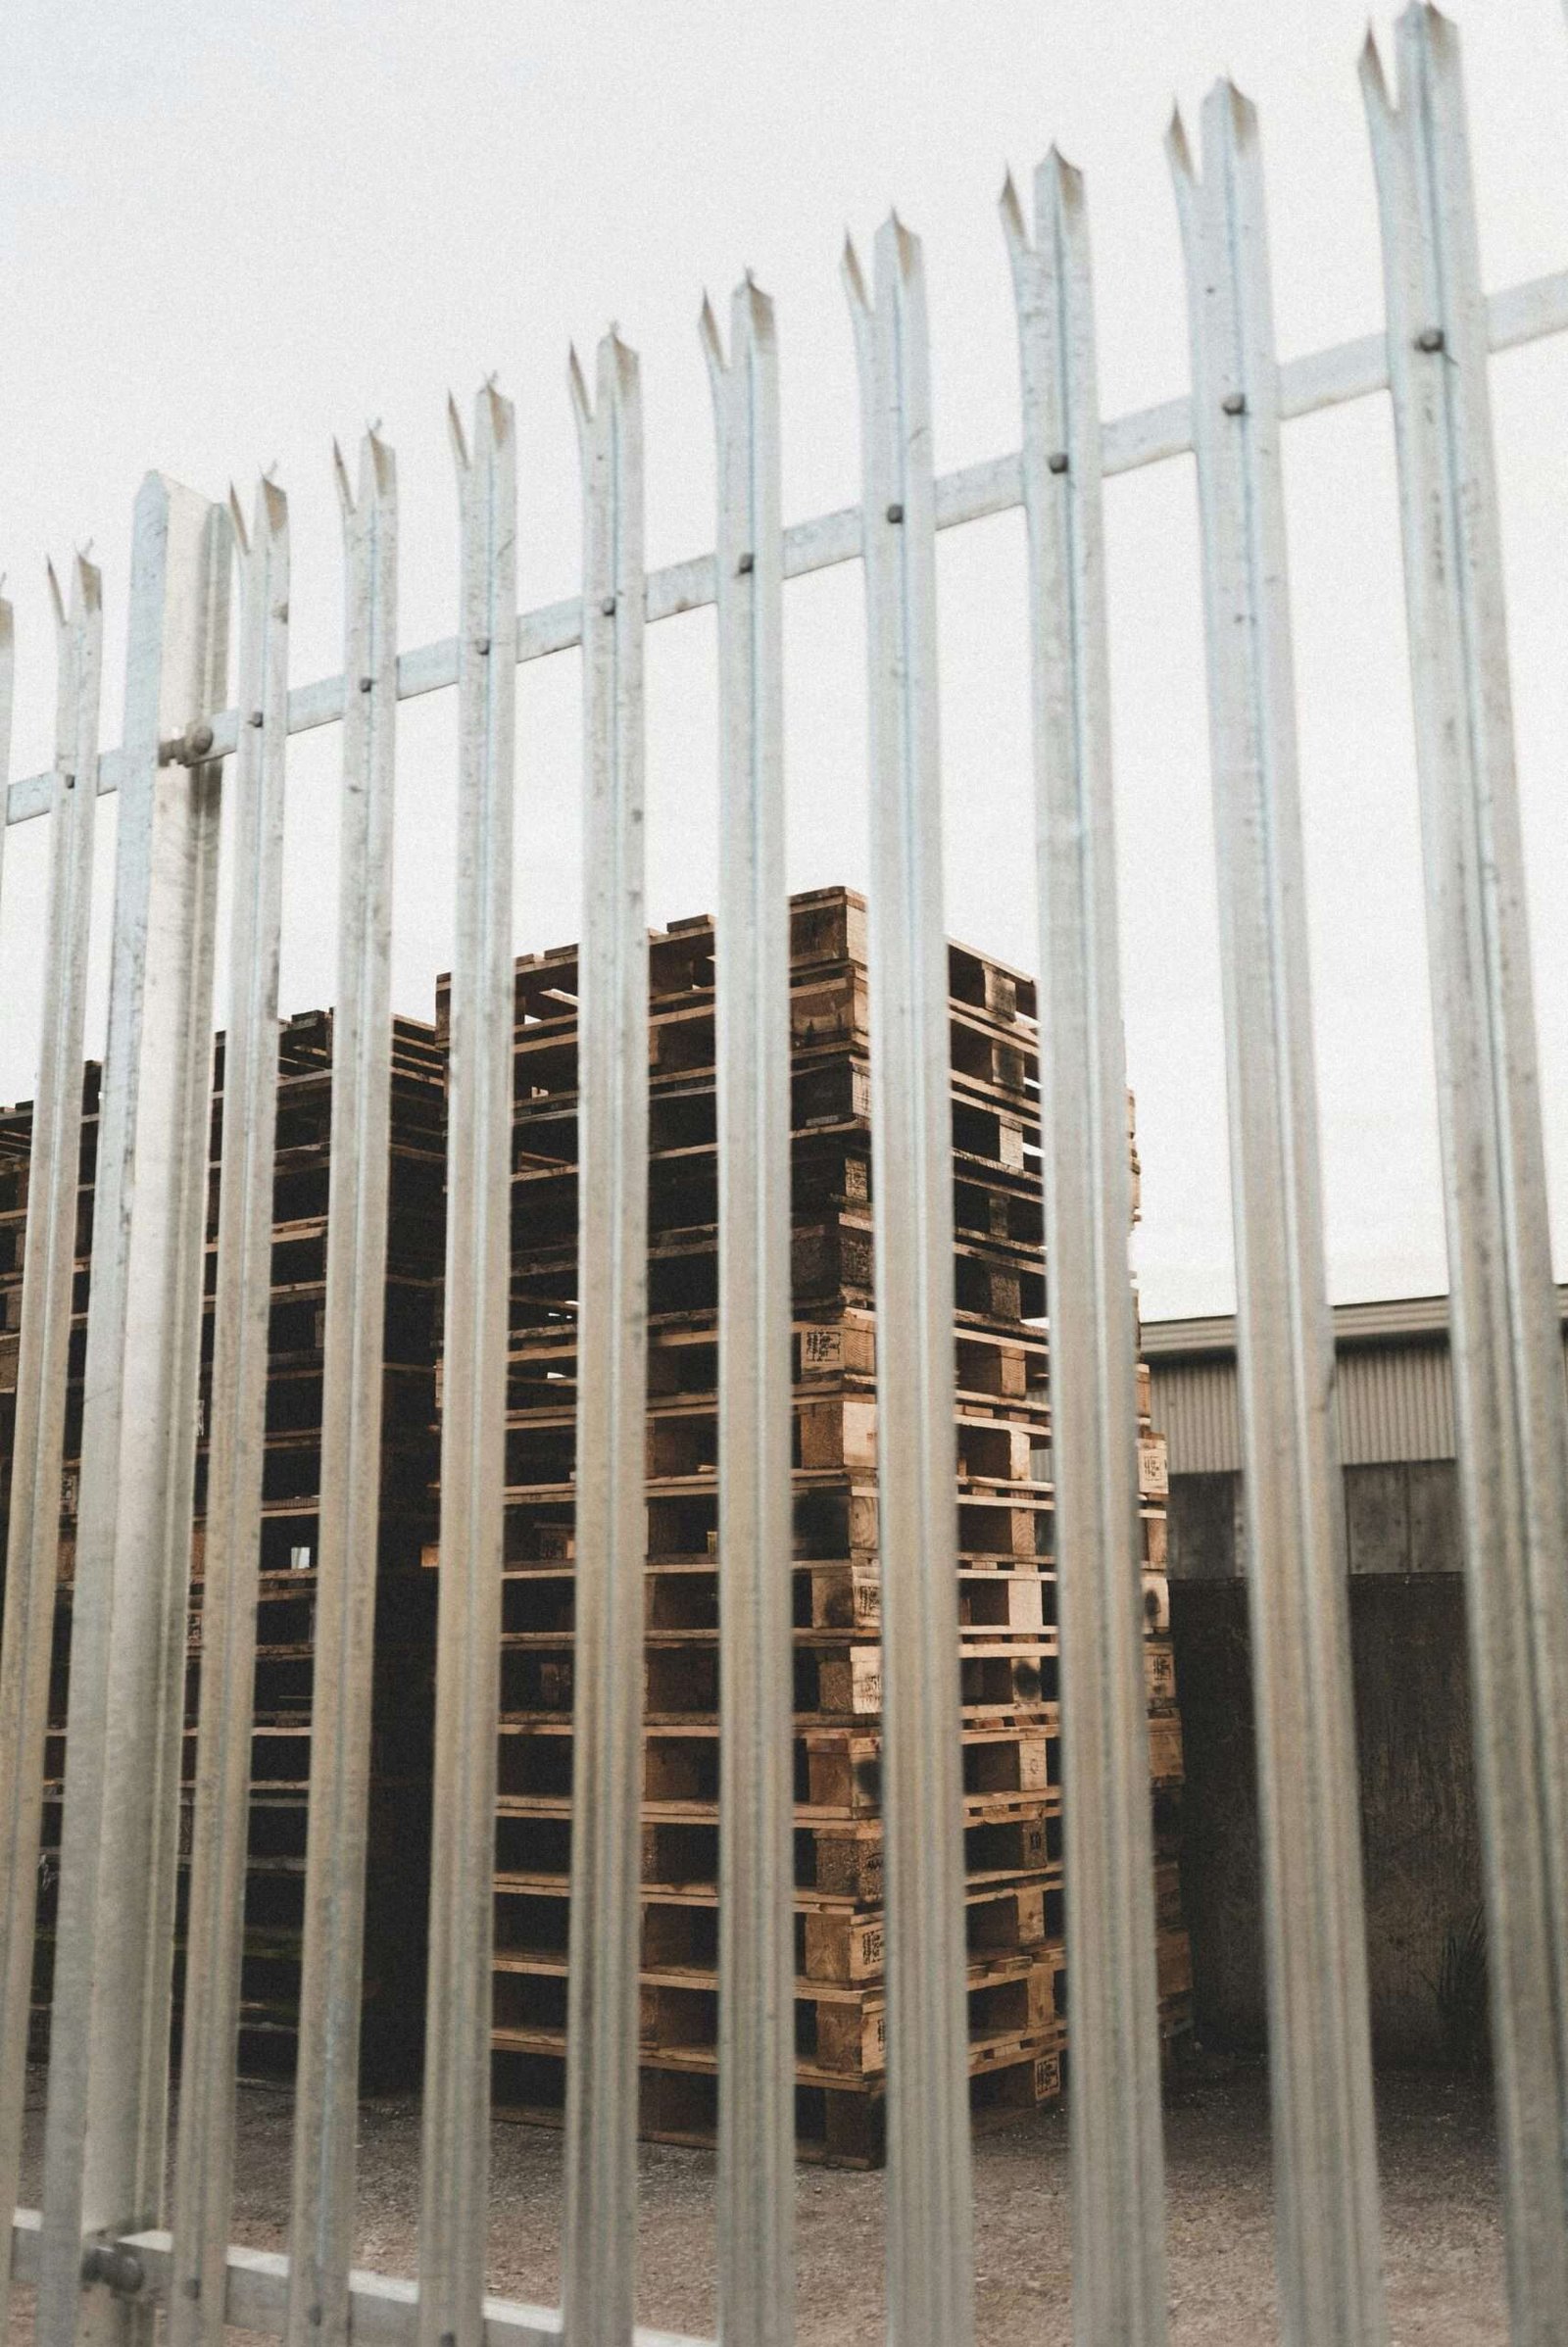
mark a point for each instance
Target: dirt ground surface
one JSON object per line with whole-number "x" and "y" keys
{"x": 1440, "y": 2205}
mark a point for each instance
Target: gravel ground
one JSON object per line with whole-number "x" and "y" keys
{"x": 1440, "y": 2216}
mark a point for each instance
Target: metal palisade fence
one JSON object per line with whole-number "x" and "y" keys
{"x": 102, "y": 2264}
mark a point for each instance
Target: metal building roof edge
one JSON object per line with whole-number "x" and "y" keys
{"x": 1390, "y": 1320}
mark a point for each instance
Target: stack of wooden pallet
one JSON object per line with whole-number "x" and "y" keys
{"x": 286, "y": 1651}
{"x": 16, "y": 1142}
{"x": 1005, "y": 1610}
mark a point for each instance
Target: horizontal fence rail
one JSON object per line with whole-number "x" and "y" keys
{"x": 97, "y": 2254}
{"x": 1333, "y": 377}
{"x": 385, "y": 2310}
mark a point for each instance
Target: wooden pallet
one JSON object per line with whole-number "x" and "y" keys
{"x": 828, "y": 926}
{"x": 838, "y": 2122}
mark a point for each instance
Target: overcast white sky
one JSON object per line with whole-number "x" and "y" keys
{"x": 238, "y": 227}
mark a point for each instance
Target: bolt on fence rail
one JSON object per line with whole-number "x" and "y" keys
{"x": 95, "y": 2252}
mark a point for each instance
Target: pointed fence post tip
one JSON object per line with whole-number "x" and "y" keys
{"x": 379, "y": 463}
{"x": 272, "y": 508}
{"x": 1374, "y": 80}
{"x": 1422, "y": 21}
{"x": 460, "y": 439}
{"x": 755, "y": 309}
{"x": 492, "y": 413}
{"x": 577, "y": 385}
{"x": 1178, "y": 149}
{"x": 86, "y": 588}
{"x": 713, "y": 343}
{"x": 901, "y": 246}
{"x": 619, "y": 368}
{"x": 1014, "y": 226}
{"x": 854, "y": 278}
{"x": 1066, "y": 184}
{"x": 1235, "y": 109}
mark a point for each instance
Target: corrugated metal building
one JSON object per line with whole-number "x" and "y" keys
{"x": 1420, "y": 1841}
{"x": 1396, "y": 1416}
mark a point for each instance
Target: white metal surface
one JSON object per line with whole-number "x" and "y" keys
{"x": 326, "y": 2079}
{"x": 598, "y": 2261}
{"x": 930, "y": 2255}
{"x": 1117, "y": 2155}
{"x": 236, "y": 1428}
{"x": 1326, "y": 2223}
{"x": 37, "y": 1451}
{"x": 456, "y": 2157}
{"x": 756, "y": 1539}
{"x": 1511, "y": 1417}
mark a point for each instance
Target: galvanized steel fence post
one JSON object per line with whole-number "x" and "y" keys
{"x": 48, "y": 1280}
{"x": 1314, "y": 1928}
{"x": 1506, "y": 1340}
{"x": 327, "y": 2077}
{"x": 236, "y": 1429}
{"x": 930, "y": 2217}
{"x": 755, "y": 1401}
{"x": 1117, "y": 2156}
{"x": 106, "y": 2122}
{"x": 454, "y": 2217}
{"x": 598, "y": 2278}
